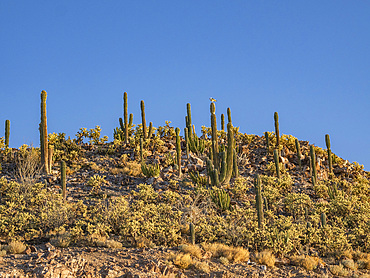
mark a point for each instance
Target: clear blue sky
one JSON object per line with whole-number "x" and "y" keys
{"x": 307, "y": 60}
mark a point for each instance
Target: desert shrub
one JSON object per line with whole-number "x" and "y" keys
{"x": 305, "y": 261}
{"x": 338, "y": 270}
{"x": 93, "y": 134}
{"x": 132, "y": 168}
{"x": 191, "y": 249}
{"x": 232, "y": 254}
{"x": 96, "y": 182}
{"x": 183, "y": 261}
{"x": 296, "y": 204}
{"x": 64, "y": 149}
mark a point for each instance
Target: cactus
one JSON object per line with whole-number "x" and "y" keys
{"x": 276, "y": 159}
{"x": 50, "y": 156}
{"x": 130, "y": 120}
{"x": 44, "y": 134}
{"x": 230, "y": 153}
{"x": 276, "y": 118}
{"x": 235, "y": 165}
{"x": 188, "y": 118}
{"x": 313, "y": 165}
{"x": 150, "y": 131}
{"x": 125, "y": 116}
{"x": 186, "y": 132}
{"x": 221, "y": 198}
{"x": 178, "y": 149}
{"x": 222, "y": 122}
{"x": 7, "y": 133}
{"x": 224, "y": 173}
{"x": 195, "y": 144}
{"x": 229, "y": 115}
{"x": 323, "y": 220}
{"x": 192, "y": 233}
{"x": 143, "y": 119}
{"x": 150, "y": 170}
{"x": 121, "y": 125}
{"x": 298, "y": 147}
{"x": 63, "y": 179}
{"x": 259, "y": 202}
{"x": 327, "y": 141}
{"x": 267, "y": 142}
{"x": 141, "y": 150}
{"x": 214, "y": 136}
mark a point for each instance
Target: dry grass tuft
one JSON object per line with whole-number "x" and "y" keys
{"x": 183, "y": 261}
{"x": 266, "y": 258}
{"x": 307, "y": 262}
{"x": 235, "y": 254}
{"x": 62, "y": 240}
{"x": 338, "y": 270}
{"x": 349, "y": 263}
{"x": 16, "y": 247}
{"x": 202, "y": 266}
{"x": 109, "y": 243}
{"x": 132, "y": 169}
{"x": 191, "y": 249}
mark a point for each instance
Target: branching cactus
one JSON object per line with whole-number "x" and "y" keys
{"x": 143, "y": 119}
{"x": 44, "y": 134}
{"x": 63, "y": 180}
{"x": 125, "y": 116}
{"x": 298, "y": 148}
{"x": 276, "y": 159}
{"x": 327, "y": 141}
{"x": 313, "y": 165}
{"x": 276, "y": 118}
{"x": 7, "y": 133}
{"x": 178, "y": 149}
{"x": 259, "y": 202}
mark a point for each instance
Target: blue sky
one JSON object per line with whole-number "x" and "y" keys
{"x": 307, "y": 60}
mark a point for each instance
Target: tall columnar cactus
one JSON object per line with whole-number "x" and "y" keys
{"x": 121, "y": 125}
{"x": 222, "y": 122}
{"x": 186, "y": 132}
{"x": 230, "y": 153}
{"x": 259, "y": 202}
{"x": 267, "y": 142}
{"x": 214, "y": 136}
{"x": 276, "y": 118}
{"x": 192, "y": 233}
{"x": 276, "y": 159}
{"x": 7, "y": 133}
{"x": 50, "y": 156}
{"x": 141, "y": 150}
{"x": 229, "y": 115}
{"x": 327, "y": 141}
{"x": 125, "y": 116}
{"x": 323, "y": 219}
{"x": 131, "y": 120}
{"x": 44, "y": 134}
{"x": 143, "y": 119}
{"x": 150, "y": 131}
{"x": 188, "y": 118}
{"x": 235, "y": 165}
{"x": 313, "y": 165}
{"x": 298, "y": 148}
{"x": 63, "y": 180}
{"x": 178, "y": 149}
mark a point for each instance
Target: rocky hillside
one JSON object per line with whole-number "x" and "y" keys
{"x": 224, "y": 204}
